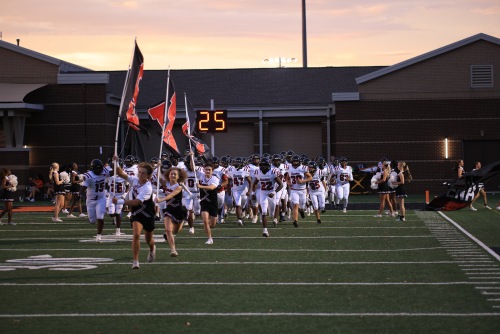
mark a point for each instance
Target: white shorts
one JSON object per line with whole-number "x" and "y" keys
{"x": 96, "y": 209}
{"x": 298, "y": 197}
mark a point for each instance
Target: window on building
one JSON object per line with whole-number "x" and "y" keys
{"x": 481, "y": 76}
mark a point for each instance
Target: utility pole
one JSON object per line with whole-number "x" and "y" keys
{"x": 304, "y": 35}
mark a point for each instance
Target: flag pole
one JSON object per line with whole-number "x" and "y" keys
{"x": 189, "y": 138}
{"x": 165, "y": 116}
{"x": 127, "y": 79}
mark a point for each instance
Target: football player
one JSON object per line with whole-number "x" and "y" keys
{"x": 298, "y": 176}
{"x": 241, "y": 185}
{"x": 94, "y": 185}
{"x": 343, "y": 176}
{"x": 317, "y": 189}
{"x": 266, "y": 180}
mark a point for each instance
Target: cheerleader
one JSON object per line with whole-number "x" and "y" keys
{"x": 403, "y": 170}
{"x": 7, "y": 190}
{"x": 59, "y": 191}
{"x": 384, "y": 190}
{"x": 174, "y": 213}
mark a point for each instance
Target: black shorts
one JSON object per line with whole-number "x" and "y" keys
{"x": 210, "y": 207}
{"x": 147, "y": 223}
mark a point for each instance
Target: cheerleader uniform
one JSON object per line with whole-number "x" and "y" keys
{"x": 383, "y": 188}
{"x": 58, "y": 188}
{"x": 174, "y": 208}
{"x": 400, "y": 189}
{"x": 7, "y": 195}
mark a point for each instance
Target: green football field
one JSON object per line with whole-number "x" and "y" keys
{"x": 353, "y": 273}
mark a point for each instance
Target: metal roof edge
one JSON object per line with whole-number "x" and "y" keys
{"x": 428, "y": 55}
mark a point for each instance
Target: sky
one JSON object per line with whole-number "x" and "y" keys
{"x": 214, "y": 34}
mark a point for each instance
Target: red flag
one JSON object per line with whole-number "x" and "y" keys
{"x": 131, "y": 92}
{"x": 188, "y": 127}
{"x": 158, "y": 113}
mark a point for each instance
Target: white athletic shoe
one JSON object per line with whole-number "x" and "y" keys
{"x": 174, "y": 254}
{"x": 65, "y": 211}
{"x": 472, "y": 208}
{"x": 152, "y": 254}
{"x": 135, "y": 265}
{"x": 209, "y": 242}
{"x": 71, "y": 216}
{"x": 378, "y": 216}
{"x": 265, "y": 233}
{"x": 98, "y": 238}
{"x": 254, "y": 219}
{"x": 275, "y": 221}
{"x": 240, "y": 222}
{"x": 118, "y": 232}
{"x": 487, "y": 207}
{"x": 82, "y": 215}
{"x": 344, "y": 210}
{"x": 191, "y": 230}
{"x": 11, "y": 223}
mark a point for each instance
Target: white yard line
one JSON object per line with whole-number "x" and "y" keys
{"x": 252, "y": 314}
{"x": 93, "y": 284}
{"x": 477, "y": 241}
{"x": 232, "y": 250}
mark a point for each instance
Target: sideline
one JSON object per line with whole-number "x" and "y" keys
{"x": 477, "y": 241}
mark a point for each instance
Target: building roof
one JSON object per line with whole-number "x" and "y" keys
{"x": 244, "y": 88}
{"x": 63, "y": 65}
{"x": 426, "y": 56}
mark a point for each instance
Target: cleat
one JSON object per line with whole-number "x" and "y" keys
{"x": 173, "y": 254}
{"x": 487, "y": 207}
{"x": 135, "y": 265}
{"x": 71, "y": 215}
{"x": 254, "y": 219}
{"x": 191, "y": 230}
{"x": 82, "y": 215}
{"x": 11, "y": 223}
{"x": 98, "y": 238}
{"x": 302, "y": 214}
{"x": 65, "y": 211}
{"x": 209, "y": 242}
{"x": 378, "y": 216}
{"x": 152, "y": 254}
{"x": 295, "y": 224}
{"x": 344, "y": 210}
{"x": 275, "y": 222}
{"x": 403, "y": 219}
{"x": 472, "y": 208}
{"x": 265, "y": 233}
{"x": 318, "y": 221}
{"x": 240, "y": 222}
{"x": 118, "y": 232}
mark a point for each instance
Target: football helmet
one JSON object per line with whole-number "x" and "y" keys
{"x": 96, "y": 166}
{"x": 224, "y": 161}
{"x": 238, "y": 162}
{"x": 129, "y": 160}
{"x": 165, "y": 165}
{"x": 264, "y": 165}
{"x": 296, "y": 161}
{"x": 154, "y": 161}
{"x": 312, "y": 165}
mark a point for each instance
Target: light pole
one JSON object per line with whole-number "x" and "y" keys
{"x": 280, "y": 60}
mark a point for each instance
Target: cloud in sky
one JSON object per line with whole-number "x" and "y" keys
{"x": 99, "y": 34}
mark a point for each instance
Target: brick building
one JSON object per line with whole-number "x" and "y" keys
{"x": 56, "y": 111}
